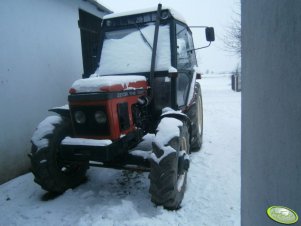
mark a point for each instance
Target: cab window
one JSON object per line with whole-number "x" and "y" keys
{"x": 186, "y": 58}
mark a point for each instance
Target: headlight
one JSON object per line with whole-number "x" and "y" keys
{"x": 80, "y": 117}
{"x": 100, "y": 117}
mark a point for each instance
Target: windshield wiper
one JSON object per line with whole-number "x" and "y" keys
{"x": 143, "y": 37}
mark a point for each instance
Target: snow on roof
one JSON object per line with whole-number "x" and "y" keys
{"x": 173, "y": 12}
{"x": 100, "y": 5}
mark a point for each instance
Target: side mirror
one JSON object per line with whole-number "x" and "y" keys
{"x": 198, "y": 76}
{"x": 210, "y": 37}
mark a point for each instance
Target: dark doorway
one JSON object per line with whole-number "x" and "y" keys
{"x": 90, "y": 27}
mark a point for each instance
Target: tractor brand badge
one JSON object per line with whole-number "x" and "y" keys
{"x": 282, "y": 215}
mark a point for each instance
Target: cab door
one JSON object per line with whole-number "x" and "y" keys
{"x": 186, "y": 61}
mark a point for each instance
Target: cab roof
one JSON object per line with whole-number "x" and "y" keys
{"x": 173, "y": 12}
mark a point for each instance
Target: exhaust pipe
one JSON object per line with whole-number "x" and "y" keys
{"x": 154, "y": 53}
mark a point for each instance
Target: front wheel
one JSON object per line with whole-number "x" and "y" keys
{"x": 50, "y": 172}
{"x": 169, "y": 165}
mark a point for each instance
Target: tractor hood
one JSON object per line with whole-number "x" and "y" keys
{"x": 115, "y": 83}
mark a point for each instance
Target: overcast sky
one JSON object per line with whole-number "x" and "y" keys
{"x": 215, "y": 13}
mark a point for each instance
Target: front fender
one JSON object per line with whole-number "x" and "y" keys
{"x": 180, "y": 116}
{"x": 63, "y": 111}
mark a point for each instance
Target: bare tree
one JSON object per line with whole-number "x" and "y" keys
{"x": 232, "y": 38}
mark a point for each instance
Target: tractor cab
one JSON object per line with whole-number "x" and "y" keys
{"x": 130, "y": 46}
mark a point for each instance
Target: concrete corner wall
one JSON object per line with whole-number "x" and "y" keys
{"x": 271, "y": 108}
{"x": 40, "y": 57}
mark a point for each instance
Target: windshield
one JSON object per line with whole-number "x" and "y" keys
{"x": 128, "y": 50}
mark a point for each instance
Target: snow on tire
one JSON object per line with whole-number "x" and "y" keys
{"x": 50, "y": 173}
{"x": 169, "y": 163}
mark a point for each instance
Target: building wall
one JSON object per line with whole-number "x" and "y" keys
{"x": 40, "y": 57}
{"x": 271, "y": 108}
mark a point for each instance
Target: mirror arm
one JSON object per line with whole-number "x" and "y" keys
{"x": 198, "y": 26}
{"x": 203, "y": 47}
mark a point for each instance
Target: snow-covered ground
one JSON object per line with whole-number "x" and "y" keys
{"x": 119, "y": 198}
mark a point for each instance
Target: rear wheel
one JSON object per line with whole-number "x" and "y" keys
{"x": 196, "y": 117}
{"x": 50, "y": 172}
{"x": 168, "y": 176}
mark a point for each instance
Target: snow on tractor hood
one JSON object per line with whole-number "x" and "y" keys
{"x": 108, "y": 84}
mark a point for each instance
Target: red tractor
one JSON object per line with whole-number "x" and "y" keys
{"x": 145, "y": 83}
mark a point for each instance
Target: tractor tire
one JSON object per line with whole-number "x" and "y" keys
{"x": 49, "y": 172}
{"x": 168, "y": 177}
{"x": 196, "y": 117}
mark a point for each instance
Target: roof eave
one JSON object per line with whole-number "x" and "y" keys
{"x": 99, "y": 6}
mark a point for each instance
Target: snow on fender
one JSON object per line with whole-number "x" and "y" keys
{"x": 44, "y": 128}
{"x": 167, "y": 129}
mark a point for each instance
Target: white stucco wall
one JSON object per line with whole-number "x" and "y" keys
{"x": 40, "y": 56}
{"x": 271, "y": 108}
